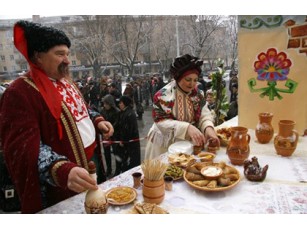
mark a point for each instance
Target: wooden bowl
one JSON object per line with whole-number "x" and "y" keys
{"x": 219, "y": 187}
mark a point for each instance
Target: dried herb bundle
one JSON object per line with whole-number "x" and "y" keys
{"x": 153, "y": 169}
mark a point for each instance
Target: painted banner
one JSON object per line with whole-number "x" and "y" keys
{"x": 272, "y": 60}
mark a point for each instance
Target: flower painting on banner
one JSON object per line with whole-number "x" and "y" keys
{"x": 272, "y": 69}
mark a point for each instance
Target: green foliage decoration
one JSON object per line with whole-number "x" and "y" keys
{"x": 220, "y": 94}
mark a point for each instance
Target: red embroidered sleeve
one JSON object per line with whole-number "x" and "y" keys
{"x": 97, "y": 120}
{"x": 60, "y": 171}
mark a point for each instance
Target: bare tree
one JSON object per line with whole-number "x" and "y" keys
{"x": 232, "y": 37}
{"x": 126, "y": 40}
{"x": 164, "y": 45}
{"x": 202, "y": 27}
{"x": 129, "y": 35}
{"x": 90, "y": 40}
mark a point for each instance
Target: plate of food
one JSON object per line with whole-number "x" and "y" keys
{"x": 147, "y": 208}
{"x": 224, "y": 135}
{"x": 181, "y": 147}
{"x": 229, "y": 178}
{"x": 181, "y": 159}
{"x": 174, "y": 171}
{"x": 121, "y": 195}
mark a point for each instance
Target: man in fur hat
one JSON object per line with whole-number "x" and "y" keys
{"x": 47, "y": 131}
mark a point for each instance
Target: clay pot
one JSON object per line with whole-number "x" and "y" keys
{"x": 238, "y": 147}
{"x": 264, "y": 130}
{"x": 286, "y": 140}
{"x": 212, "y": 146}
{"x": 153, "y": 191}
{"x": 197, "y": 149}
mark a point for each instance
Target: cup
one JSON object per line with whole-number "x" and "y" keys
{"x": 168, "y": 180}
{"x": 197, "y": 149}
{"x": 136, "y": 179}
{"x": 212, "y": 146}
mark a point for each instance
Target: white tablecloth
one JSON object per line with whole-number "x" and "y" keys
{"x": 283, "y": 191}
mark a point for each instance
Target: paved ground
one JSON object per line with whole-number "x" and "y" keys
{"x": 144, "y": 126}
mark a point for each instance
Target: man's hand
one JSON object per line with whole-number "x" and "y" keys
{"x": 106, "y": 128}
{"x": 79, "y": 180}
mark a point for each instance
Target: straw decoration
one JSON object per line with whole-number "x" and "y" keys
{"x": 153, "y": 169}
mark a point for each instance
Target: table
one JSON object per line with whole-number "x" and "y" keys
{"x": 283, "y": 191}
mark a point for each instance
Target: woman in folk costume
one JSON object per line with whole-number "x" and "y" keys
{"x": 179, "y": 110}
{"x": 47, "y": 132}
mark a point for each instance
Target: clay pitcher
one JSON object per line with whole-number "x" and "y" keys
{"x": 286, "y": 140}
{"x": 238, "y": 147}
{"x": 264, "y": 130}
{"x": 153, "y": 191}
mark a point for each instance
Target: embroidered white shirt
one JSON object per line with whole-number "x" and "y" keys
{"x": 74, "y": 101}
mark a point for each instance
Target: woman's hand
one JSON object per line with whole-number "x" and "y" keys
{"x": 196, "y": 135}
{"x": 210, "y": 134}
{"x": 106, "y": 128}
{"x": 79, "y": 180}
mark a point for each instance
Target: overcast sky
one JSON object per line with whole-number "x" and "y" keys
{"x": 18, "y": 16}
{"x": 14, "y": 16}
{"x": 16, "y": 9}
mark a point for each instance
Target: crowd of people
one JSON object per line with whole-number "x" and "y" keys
{"x": 122, "y": 108}
{"x": 51, "y": 126}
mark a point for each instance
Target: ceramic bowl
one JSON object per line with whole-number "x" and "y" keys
{"x": 211, "y": 172}
{"x": 206, "y": 156}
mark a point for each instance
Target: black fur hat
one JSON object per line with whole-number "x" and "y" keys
{"x": 184, "y": 63}
{"x": 41, "y": 38}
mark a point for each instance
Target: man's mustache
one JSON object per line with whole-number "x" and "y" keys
{"x": 63, "y": 69}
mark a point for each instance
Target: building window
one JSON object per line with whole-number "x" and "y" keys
{"x": 75, "y": 75}
{"x": 73, "y": 62}
{"x": 23, "y": 66}
{"x": 2, "y": 58}
{"x": 1, "y": 46}
{"x": 9, "y": 34}
{"x": 4, "y": 68}
{"x": 14, "y": 68}
{"x": 12, "y": 57}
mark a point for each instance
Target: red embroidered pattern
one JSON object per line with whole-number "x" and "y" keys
{"x": 72, "y": 99}
{"x": 190, "y": 109}
{"x": 180, "y": 108}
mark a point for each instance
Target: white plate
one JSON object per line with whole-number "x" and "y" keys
{"x": 181, "y": 147}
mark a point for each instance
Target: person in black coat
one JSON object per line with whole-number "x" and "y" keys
{"x": 111, "y": 113}
{"x": 130, "y": 148}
